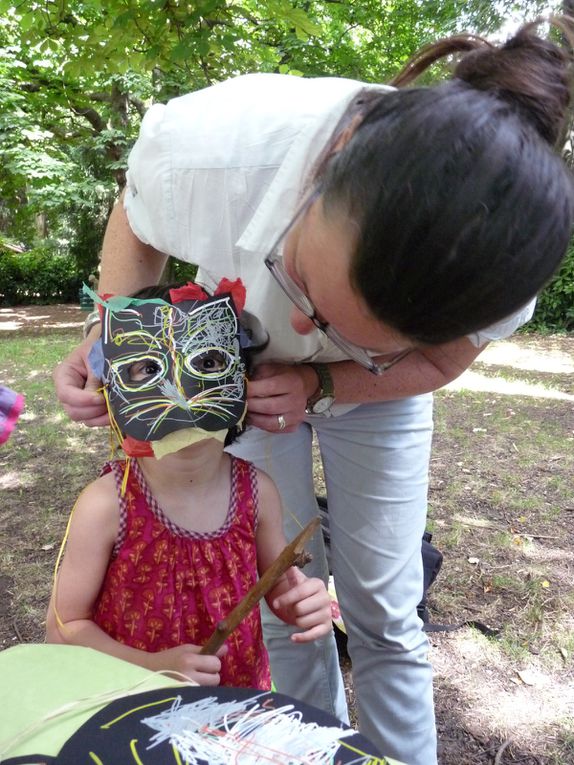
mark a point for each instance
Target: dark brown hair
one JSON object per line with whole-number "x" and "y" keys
{"x": 531, "y": 73}
{"x": 464, "y": 209}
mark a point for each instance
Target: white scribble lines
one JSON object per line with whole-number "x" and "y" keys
{"x": 246, "y": 733}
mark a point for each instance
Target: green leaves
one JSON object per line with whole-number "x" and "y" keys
{"x": 555, "y": 308}
{"x": 76, "y": 76}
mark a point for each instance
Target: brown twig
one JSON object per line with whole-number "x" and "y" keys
{"x": 498, "y": 757}
{"x": 292, "y": 555}
{"x": 17, "y": 631}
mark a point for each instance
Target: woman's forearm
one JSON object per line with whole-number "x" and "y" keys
{"x": 128, "y": 265}
{"x": 422, "y": 371}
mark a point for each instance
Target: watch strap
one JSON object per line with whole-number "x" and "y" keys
{"x": 326, "y": 388}
{"x": 91, "y": 320}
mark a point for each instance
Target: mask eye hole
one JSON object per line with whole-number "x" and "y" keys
{"x": 143, "y": 371}
{"x": 139, "y": 372}
{"x": 210, "y": 362}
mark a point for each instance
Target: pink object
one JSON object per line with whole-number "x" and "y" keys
{"x": 11, "y": 406}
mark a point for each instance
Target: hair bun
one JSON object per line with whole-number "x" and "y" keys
{"x": 530, "y": 73}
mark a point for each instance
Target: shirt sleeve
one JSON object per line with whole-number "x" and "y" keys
{"x": 503, "y": 328}
{"x": 147, "y": 197}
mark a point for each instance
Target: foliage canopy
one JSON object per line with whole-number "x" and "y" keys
{"x": 76, "y": 77}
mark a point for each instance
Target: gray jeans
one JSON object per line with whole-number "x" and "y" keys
{"x": 375, "y": 460}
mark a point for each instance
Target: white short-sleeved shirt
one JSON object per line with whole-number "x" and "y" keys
{"x": 216, "y": 175}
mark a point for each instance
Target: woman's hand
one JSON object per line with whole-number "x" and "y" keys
{"x": 186, "y": 660}
{"x": 280, "y": 390}
{"x": 304, "y": 603}
{"x": 77, "y": 387}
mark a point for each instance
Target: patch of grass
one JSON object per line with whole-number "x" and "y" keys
{"x": 501, "y": 483}
{"x": 516, "y": 649}
{"x": 452, "y": 538}
{"x": 564, "y": 754}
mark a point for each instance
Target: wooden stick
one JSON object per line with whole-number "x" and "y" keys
{"x": 290, "y": 556}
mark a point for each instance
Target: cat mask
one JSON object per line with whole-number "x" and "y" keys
{"x": 168, "y": 368}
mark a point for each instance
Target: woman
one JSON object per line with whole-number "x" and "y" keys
{"x": 418, "y": 224}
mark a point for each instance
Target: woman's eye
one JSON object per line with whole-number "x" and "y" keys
{"x": 143, "y": 370}
{"x": 210, "y": 362}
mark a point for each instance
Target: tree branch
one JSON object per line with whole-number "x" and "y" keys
{"x": 292, "y": 555}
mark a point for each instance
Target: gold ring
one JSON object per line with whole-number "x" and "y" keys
{"x": 281, "y": 422}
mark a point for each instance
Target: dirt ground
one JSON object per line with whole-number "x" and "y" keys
{"x": 502, "y": 513}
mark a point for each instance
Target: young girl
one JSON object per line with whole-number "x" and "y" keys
{"x": 166, "y": 542}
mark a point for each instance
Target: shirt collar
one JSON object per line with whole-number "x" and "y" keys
{"x": 290, "y": 183}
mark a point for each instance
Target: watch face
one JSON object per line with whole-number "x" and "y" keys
{"x": 323, "y": 404}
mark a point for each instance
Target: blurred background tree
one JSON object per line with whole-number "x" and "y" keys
{"x": 76, "y": 77}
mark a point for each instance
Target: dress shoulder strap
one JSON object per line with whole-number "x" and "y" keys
{"x": 245, "y": 489}
{"x": 118, "y": 468}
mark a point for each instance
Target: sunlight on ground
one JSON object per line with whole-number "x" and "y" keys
{"x": 10, "y": 325}
{"x": 16, "y": 480}
{"x": 540, "y": 554}
{"x": 31, "y": 317}
{"x": 521, "y": 698}
{"x": 76, "y": 443}
{"x": 506, "y": 353}
{"x": 474, "y": 381}
{"x": 28, "y": 415}
{"x": 7, "y": 326}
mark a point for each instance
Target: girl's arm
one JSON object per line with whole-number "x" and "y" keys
{"x": 296, "y": 599}
{"x": 92, "y": 535}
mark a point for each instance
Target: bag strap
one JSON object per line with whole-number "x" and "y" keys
{"x": 480, "y": 626}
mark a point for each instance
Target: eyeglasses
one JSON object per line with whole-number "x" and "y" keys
{"x": 300, "y": 300}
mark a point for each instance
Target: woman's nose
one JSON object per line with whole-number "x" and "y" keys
{"x": 302, "y": 324}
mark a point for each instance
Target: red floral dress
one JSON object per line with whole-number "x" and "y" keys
{"x": 166, "y": 586}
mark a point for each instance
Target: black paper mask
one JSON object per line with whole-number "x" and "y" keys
{"x": 169, "y": 367}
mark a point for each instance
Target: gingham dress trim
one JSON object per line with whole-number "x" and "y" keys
{"x": 118, "y": 471}
{"x": 117, "y": 468}
{"x": 254, "y": 486}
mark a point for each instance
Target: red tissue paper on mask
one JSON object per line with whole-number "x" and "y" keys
{"x": 189, "y": 291}
{"x": 236, "y": 289}
{"x": 134, "y": 448}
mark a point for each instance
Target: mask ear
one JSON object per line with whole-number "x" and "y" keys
{"x": 96, "y": 359}
{"x": 236, "y": 289}
{"x": 124, "y": 321}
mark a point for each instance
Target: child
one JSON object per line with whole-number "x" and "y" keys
{"x": 165, "y": 543}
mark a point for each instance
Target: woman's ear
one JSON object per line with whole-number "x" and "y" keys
{"x": 345, "y": 135}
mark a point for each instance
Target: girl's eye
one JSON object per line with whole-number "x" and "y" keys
{"x": 210, "y": 362}
{"x": 143, "y": 370}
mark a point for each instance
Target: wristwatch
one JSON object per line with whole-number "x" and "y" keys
{"x": 324, "y": 397}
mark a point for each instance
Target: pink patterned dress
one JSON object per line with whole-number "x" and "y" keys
{"x": 166, "y": 586}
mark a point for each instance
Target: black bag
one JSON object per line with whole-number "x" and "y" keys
{"x": 432, "y": 561}
{"x": 432, "y": 557}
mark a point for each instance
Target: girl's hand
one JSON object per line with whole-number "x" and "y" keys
{"x": 186, "y": 660}
{"x": 280, "y": 389}
{"x": 304, "y": 603}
